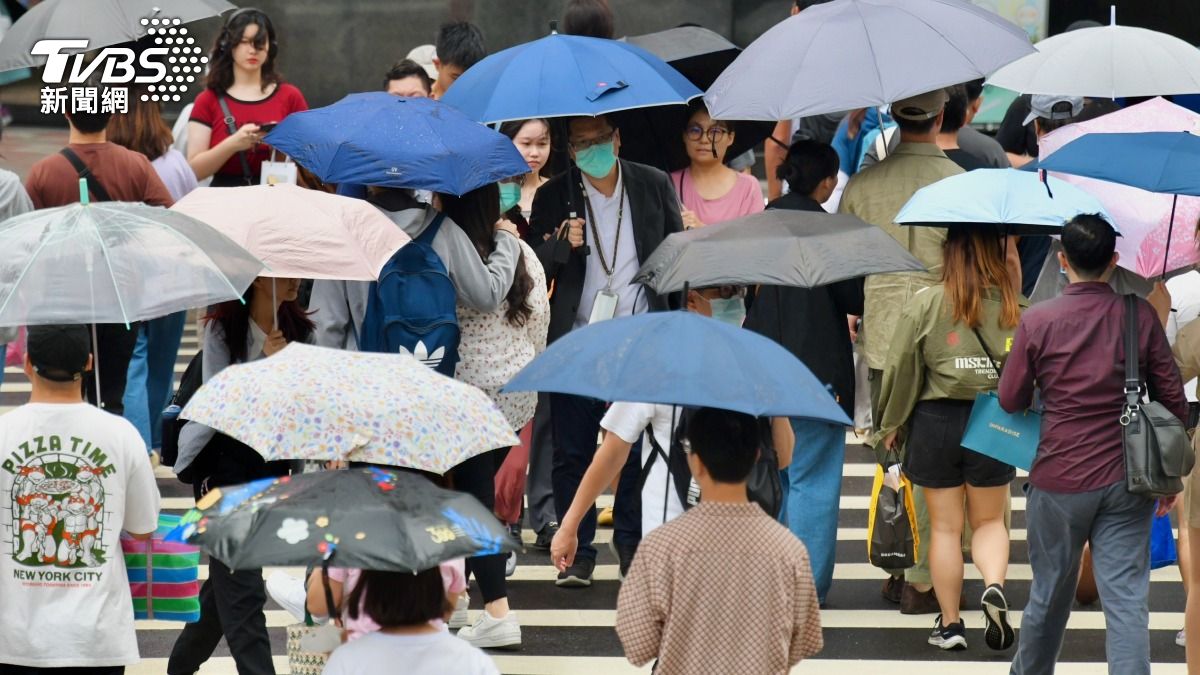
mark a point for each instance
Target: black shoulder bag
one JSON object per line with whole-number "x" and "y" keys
{"x": 1158, "y": 453}
{"x": 232, "y": 127}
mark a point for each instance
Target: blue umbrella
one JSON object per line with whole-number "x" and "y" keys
{"x": 1012, "y": 201}
{"x": 1167, "y": 162}
{"x": 566, "y": 76}
{"x": 379, "y": 139}
{"x": 680, "y": 358}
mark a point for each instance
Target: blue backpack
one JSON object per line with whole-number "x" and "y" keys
{"x": 411, "y": 309}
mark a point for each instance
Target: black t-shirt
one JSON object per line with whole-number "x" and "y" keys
{"x": 966, "y": 160}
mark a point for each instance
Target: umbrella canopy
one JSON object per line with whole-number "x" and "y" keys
{"x": 298, "y": 233}
{"x": 566, "y": 76}
{"x": 114, "y": 262}
{"x": 852, "y": 54}
{"x": 367, "y": 518}
{"x": 101, "y": 22}
{"x": 325, "y": 404}
{"x": 1105, "y": 62}
{"x": 654, "y": 136}
{"x": 781, "y": 247}
{"x": 680, "y": 358}
{"x": 1012, "y": 201}
{"x": 379, "y": 139}
{"x": 1145, "y": 218}
{"x": 1158, "y": 161}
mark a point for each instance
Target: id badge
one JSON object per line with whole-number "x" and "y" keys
{"x": 605, "y": 306}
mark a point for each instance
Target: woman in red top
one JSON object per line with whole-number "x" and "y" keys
{"x": 242, "y": 75}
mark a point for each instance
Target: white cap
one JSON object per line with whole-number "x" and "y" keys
{"x": 423, "y": 56}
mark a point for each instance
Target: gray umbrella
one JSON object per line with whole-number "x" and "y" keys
{"x": 852, "y": 54}
{"x": 781, "y": 247}
{"x": 101, "y": 22}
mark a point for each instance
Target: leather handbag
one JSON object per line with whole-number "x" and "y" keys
{"x": 1158, "y": 453}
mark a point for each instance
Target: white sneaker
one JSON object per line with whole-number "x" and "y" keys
{"x": 490, "y": 633}
{"x": 459, "y": 618}
{"x": 288, "y": 592}
{"x": 1181, "y": 639}
{"x": 510, "y": 565}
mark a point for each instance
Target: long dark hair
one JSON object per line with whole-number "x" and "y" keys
{"x": 476, "y": 213}
{"x": 220, "y": 65}
{"x": 395, "y": 599}
{"x": 233, "y": 317}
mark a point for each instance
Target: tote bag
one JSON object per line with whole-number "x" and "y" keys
{"x": 1011, "y": 438}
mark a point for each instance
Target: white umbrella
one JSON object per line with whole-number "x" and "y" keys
{"x": 1108, "y": 61}
{"x": 852, "y": 54}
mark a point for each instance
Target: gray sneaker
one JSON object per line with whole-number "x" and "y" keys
{"x": 952, "y": 637}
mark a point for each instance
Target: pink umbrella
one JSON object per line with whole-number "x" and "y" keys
{"x": 299, "y": 233}
{"x": 1144, "y": 218}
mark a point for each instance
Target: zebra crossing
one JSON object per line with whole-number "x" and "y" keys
{"x": 569, "y": 631}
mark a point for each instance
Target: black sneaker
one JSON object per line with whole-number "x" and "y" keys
{"x": 578, "y": 575}
{"x": 996, "y": 632}
{"x": 624, "y": 555}
{"x": 545, "y": 536}
{"x": 949, "y": 637}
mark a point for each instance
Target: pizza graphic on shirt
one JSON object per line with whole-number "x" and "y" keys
{"x": 58, "y": 513}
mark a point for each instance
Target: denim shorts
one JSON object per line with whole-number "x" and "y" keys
{"x": 933, "y": 456}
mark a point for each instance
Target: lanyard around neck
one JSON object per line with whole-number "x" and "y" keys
{"x": 591, "y": 218}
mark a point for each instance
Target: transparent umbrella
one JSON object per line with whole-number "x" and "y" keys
{"x": 114, "y": 262}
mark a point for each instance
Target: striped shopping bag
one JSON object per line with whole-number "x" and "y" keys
{"x": 164, "y": 577}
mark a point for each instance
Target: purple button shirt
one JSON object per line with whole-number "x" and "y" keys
{"x": 1072, "y": 348}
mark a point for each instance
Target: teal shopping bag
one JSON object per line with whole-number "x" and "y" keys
{"x": 1011, "y": 438}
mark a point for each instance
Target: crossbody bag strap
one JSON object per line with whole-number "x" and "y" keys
{"x": 986, "y": 351}
{"x": 85, "y": 172}
{"x": 232, "y": 127}
{"x": 655, "y": 452}
{"x": 1133, "y": 380}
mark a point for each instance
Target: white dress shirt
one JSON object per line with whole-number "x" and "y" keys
{"x": 631, "y": 297}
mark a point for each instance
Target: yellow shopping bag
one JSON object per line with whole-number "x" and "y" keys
{"x": 892, "y": 539}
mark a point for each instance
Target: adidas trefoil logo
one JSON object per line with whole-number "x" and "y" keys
{"x": 422, "y": 354}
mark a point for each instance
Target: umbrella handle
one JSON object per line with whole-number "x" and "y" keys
{"x": 334, "y": 613}
{"x": 1170, "y": 229}
{"x": 96, "y": 365}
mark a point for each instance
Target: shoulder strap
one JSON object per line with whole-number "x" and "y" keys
{"x": 428, "y": 234}
{"x": 85, "y": 173}
{"x": 991, "y": 359}
{"x": 1133, "y": 381}
{"x": 232, "y": 127}
{"x": 655, "y": 453}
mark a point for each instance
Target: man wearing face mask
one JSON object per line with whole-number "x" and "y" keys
{"x": 593, "y": 226}
{"x": 624, "y": 424}
{"x": 812, "y": 324}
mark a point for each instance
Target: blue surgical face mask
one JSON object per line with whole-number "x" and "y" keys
{"x": 597, "y": 161}
{"x": 731, "y": 311}
{"x": 510, "y": 195}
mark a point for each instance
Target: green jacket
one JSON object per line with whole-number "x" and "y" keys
{"x": 934, "y": 357}
{"x": 876, "y": 195}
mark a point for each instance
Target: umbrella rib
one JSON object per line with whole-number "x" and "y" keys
{"x": 224, "y": 277}
{"x": 111, "y": 274}
{"x": 874, "y": 58}
{"x": 32, "y": 259}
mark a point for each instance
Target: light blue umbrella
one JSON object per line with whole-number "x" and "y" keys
{"x": 567, "y": 76}
{"x": 1012, "y": 201}
{"x": 680, "y": 358}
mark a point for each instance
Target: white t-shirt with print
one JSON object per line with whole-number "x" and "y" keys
{"x": 628, "y": 421}
{"x": 71, "y": 478}
{"x": 426, "y": 654}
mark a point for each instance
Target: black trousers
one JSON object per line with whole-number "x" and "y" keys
{"x": 231, "y": 605}
{"x": 477, "y": 477}
{"x": 90, "y": 670}
{"x": 113, "y": 353}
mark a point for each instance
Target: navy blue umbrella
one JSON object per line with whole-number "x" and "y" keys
{"x": 1167, "y": 162}
{"x": 680, "y": 358}
{"x": 379, "y": 139}
{"x": 566, "y": 76}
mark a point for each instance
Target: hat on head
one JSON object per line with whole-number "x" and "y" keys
{"x": 423, "y": 56}
{"x": 922, "y": 106}
{"x": 58, "y": 352}
{"x": 1053, "y": 107}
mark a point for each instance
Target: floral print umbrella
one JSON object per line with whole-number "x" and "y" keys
{"x": 366, "y": 518}
{"x": 315, "y": 403}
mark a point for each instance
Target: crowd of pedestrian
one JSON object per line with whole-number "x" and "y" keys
{"x": 534, "y": 257}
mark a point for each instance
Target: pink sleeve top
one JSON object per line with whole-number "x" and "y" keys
{"x": 744, "y": 198}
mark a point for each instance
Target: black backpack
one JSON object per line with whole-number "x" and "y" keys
{"x": 192, "y": 378}
{"x": 763, "y": 487}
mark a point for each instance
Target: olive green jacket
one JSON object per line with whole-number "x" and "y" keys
{"x": 876, "y": 195}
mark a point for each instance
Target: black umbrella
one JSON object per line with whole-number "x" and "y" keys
{"x": 654, "y": 136}
{"x": 367, "y": 518}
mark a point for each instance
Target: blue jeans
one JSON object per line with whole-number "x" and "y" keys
{"x": 812, "y": 490}
{"x": 151, "y": 375}
{"x": 576, "y": 423}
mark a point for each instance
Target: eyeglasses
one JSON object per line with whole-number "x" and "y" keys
{"x": 714, "y": 133}
{"x": 580, "y": 146}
